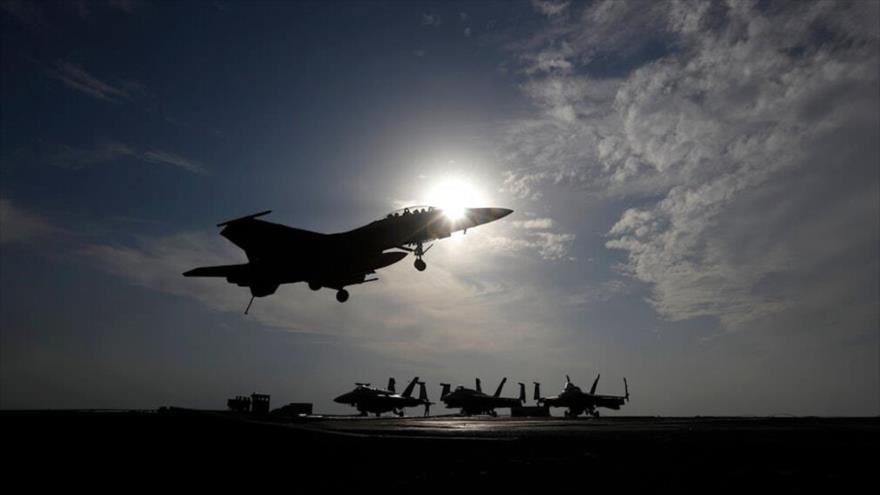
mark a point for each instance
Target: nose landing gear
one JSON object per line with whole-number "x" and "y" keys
{"x": 420, "y": 265}
{"x": 342, "y": 295}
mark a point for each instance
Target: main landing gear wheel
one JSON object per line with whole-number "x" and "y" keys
{"x": 420, "y": 265}
{"x": 342, "y": 295}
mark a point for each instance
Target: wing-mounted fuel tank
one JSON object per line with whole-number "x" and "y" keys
{"x": 386, "y": 259}
{"x": 262, "y": 290}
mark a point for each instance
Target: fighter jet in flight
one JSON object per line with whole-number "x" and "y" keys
{"x": 474, "y": 401}
{"x": 278, "y": 254}
{"x": 369, "y": 399}
{"x": 578, "y": 402}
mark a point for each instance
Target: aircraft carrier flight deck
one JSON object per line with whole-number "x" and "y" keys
{"x": 447, "y": 453}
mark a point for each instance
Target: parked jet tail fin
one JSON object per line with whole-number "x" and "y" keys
{"x": 409, "y": 388}
{"x": 626, "y": 389}
{"x": 595, "y": 382}
{"x": 479, "y": 388}
{"x": 444, "y": 391}
{"x": 246, "y": 217}
{"x": 537, "y": 391}
{"x": 423, "y": 392}
{"x": 391, "y": 383}
{"x": 522, "y": 393}
{"x": 500, "y": 386}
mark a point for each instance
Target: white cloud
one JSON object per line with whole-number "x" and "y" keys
{"x": 459, "y": 303}
{"x": 111, "y": 151}
{"x": 431, "y": 20}
{"x": 533, "y": 223}
{"x": 597, "y": 293}
{"x": 550, "y": 60}
{"x": 27, "y": 12}
{"x": 757, "y": 132}
{"x": 531, "y": 236}
{"x": 74, "y": 76}
{"x": 18, "y": 225}
{"x": 550, "y": 8}
{"x": 174, "y": 159}
{"x": 547, "y": 245}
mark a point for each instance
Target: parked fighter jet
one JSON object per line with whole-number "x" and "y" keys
{"x": 278, "y": 254}
{"x": 369, "y": 399}
{"x": 474, "y": 401}
{"x": 578, "y": 402}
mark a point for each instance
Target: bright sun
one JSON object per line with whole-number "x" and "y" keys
{"x": 453, "y": 195}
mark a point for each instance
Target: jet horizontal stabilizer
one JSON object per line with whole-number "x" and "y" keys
{"x": 246, "y": 217}
{"x": 218, "y": 271}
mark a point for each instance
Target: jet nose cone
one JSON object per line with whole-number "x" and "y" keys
{"x": 499, "y": 213}
{"x": 342, "y": 399}
{"x": 479, "y": 216}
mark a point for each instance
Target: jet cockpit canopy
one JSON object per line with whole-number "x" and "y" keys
{"x": 411, "y": 210}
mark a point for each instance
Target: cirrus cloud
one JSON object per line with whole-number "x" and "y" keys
{"x": 749, "y": 145}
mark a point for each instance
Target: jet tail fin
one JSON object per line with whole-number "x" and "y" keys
{"x": 595, "y": 382}
{"x": 522, "y": 393}
{"x": 391, "y": 383}
{"x": 626, "y": 389}
{"x": 537, "y": 391}
{"x": 479, "y": 388}
{"x": 444, "y": 391}
{"x": 423, "y": 392}
{"x": 500, "y": 386}
{"x": 409, "y": 388}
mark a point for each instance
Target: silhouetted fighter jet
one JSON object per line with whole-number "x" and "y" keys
{"x": 578, "y": 402}
{"x": 369, "y": 399}
{"x": 474, "y": 401}
{"x": 278, "y": 254}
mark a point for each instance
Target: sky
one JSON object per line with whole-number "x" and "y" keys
{"x": 696, "y": 192}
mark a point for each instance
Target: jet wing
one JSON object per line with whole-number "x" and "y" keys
{"x": 261, "y": 239}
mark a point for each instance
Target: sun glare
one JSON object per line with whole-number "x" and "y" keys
{"x": 453, "y": 195}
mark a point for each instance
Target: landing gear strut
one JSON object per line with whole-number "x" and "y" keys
{"x": 419, "y": 251}
{"x": 342, "y": 295}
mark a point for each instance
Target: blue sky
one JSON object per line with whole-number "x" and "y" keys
{"x": 695, "y": 186}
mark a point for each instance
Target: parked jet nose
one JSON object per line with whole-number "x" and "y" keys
{"x": 344, "y": 398}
